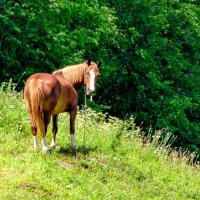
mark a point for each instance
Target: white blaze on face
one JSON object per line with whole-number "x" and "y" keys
{"x": 92, "y": 81}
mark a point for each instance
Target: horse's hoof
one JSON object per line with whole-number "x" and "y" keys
{"x": 45, "y": 150}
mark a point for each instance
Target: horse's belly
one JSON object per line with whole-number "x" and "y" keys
{"x": 60, "y": 107}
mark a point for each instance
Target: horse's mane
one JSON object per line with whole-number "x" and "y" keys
{"x": 73, "y": 73}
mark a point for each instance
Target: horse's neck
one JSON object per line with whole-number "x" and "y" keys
{"x": 76, "y": 77}
{"x": 77, "y": 85}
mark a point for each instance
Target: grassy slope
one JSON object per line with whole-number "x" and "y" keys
{"x": 113, "y": 164}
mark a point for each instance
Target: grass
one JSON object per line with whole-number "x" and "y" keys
{"x": 112, "y": 163}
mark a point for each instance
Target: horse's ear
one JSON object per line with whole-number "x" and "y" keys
{"x": 99, "y": 64}
{"x": 89, "y": 61}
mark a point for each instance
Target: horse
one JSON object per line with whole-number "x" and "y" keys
{"x": 47, "y": 95}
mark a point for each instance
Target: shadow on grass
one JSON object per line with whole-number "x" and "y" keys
{"x": 80, "y": 150}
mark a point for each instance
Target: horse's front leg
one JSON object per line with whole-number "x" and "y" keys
{"x": 72, "y": 128}
{"x": 54, "y": 131}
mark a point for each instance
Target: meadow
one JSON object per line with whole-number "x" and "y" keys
{"x": 112, "y": 162}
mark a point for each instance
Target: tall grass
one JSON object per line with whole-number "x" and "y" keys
{"x": 113, "y": 162}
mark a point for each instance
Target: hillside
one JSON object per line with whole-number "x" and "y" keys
{"x": 112, "y": 163}
{"x": 148, "y": 49}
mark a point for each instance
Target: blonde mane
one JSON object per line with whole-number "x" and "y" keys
{"x": 74, "y": 73}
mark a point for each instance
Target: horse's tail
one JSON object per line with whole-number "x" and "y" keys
{"x": 37, "y": 101}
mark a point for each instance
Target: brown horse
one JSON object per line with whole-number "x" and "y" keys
{"x": 48, "y": 95}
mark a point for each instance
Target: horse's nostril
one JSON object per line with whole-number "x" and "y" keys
{"x": 89, "y": 91}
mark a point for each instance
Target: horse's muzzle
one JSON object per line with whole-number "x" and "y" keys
{"x": 89, "y": 92}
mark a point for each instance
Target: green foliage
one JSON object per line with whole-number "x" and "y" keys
{"x": 150, "y": 53}
{"x": 40, "y": 36}
{"x": 155, "y": 74}
{"x": 115, "y": 162}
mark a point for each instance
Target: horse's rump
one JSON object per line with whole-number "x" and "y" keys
{"x": 41, "y": 94}
{"x": 36, "y": 95}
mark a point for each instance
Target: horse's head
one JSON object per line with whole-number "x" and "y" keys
{"x": 90, "y": 76}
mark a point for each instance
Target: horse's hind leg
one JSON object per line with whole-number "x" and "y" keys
{"x": 54, "y": 130}
{"x": 47, "y": 118}
{"x": 34, "y": 130}
{"x": 72, "y": 128}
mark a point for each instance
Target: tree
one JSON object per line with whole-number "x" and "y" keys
{"x": 41, "y": 36}
{"x": 157, "y": 72}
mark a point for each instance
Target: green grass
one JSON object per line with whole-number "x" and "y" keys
{"x": 112, "y": 163}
